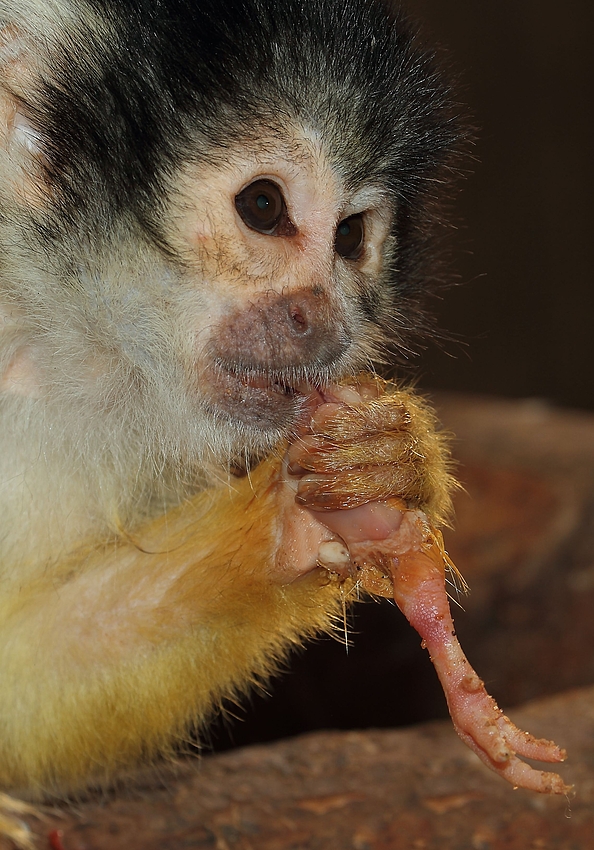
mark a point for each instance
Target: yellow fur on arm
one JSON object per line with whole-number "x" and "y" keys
{"x": 124, "y": 650}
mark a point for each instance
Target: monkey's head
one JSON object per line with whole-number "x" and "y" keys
{"x": 208, "y": 209}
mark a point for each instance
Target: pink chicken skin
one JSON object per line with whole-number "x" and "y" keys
{"x": 393, "y": 550}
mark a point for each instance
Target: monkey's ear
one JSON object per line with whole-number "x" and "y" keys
{"x": 21, "y": 141}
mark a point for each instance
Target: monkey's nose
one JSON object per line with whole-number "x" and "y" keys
{"x": 298, "y": 316}
{"x": 298, "y": 330}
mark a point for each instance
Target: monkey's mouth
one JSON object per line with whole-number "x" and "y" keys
{"x": 271, "y": 384}
{"x": 268, "y": 400}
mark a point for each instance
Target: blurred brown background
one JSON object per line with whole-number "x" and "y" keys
{"x": 524, "y": 251}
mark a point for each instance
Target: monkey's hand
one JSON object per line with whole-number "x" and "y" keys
{"x": 367, "y": 442}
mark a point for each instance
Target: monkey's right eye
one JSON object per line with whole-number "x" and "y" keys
{"x": 261, "y": 206}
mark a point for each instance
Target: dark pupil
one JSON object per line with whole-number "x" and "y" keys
{"x": 350, "y": 235}
{"x": 261, "y": 206}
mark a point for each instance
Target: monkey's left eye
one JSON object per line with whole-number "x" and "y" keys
{"x": 261, "y": 206}
{"x": 350, "y": 237}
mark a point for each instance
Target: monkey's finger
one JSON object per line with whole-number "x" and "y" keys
{"x": 358, "y": 390}
{"x": 354, "y": 487}
{"x": 318, "y": 454}
{"x": 345, "y": 423}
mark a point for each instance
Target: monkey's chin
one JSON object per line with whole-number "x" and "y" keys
{"x": 266, "y": 402}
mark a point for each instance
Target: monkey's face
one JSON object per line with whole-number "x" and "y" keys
{"x": 267, "y": 279}
{"x": 281, "y": 258}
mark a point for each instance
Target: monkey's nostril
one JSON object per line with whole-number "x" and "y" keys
{"x": 298, "y": 318}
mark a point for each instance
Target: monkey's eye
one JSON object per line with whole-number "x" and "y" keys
{"x": 261, "y": 206}
{"x": 350, "y": 236}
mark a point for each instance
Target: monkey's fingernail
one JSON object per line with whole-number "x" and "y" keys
{"x": 345, "y": 394}
{"x": 312, "y": 499}
{"x": 313, "y": 482}
{"x": 294, "y": 468}
{"x": 300, "y": 465}
{"x": 320, "y": 501}
{"x": 325, "y": 413}
{"x": 301, "y": 455}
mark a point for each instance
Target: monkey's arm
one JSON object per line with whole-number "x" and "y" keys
{"x": 109, "y": 656}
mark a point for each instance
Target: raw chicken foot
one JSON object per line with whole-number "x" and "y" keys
{"x": 413, "y": 557}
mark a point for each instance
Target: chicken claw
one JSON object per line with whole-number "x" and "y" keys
{"x": 409, "y": 563}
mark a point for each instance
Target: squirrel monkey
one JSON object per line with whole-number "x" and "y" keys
{"x": 209, "y": 214}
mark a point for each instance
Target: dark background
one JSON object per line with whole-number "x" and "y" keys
{"x": 524, "y": 248}
{"x": 523, "y": 253}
